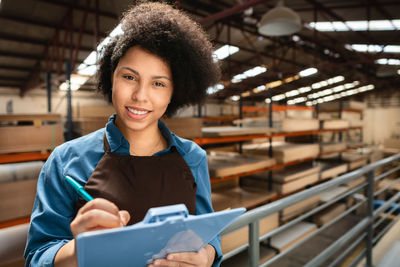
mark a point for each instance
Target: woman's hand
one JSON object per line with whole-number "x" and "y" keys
{"x": 98, "y": 214}
{"x": 94, "y": 215}
{"x": 203, "y": 258}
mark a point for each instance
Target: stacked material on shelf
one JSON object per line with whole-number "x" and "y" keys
{"x": 330, "y": 213}
{"x": 20, "y": 171}
{"x": 299, "y": 114}
{"x": 354, "y": 183}
{"x": 240, "y": 237}
{"x": 27, "y": 133}
{"x": 331, "y": 194}
{"x": 16, "y": 199}
{"x": 335, "y": 105}
{"x": 185, "y": 127}
{"x": 332, "y": 169}
{"x": 354, "y": 159}
{"x": 258, "y": 122}
{"x": 292, "y": 235}
{"x": 333, "y": 124}
{"x": 222, "y": 164}
{"x": 299, "y": 208}
{"x": 332, "y": 147}
{"x": 392, "y": 143}
{"x": 88, "y": 119}
{"x": 296, "y": 125}
{"x": 18, "y": 189}
{"x": 12, "y": 245}
{"x": 355, "y": 144}
{"x": 218, "y": 131}
{"x": 295, "y": 177}
{"x": 354, "y": 118}
{"x": 288, "y": 152}
{"x": 240, "y": 196}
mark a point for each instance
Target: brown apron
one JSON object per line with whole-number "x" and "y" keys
{"x": 137, "y": 183}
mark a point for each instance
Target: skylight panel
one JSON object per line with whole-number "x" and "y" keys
{"x": 359, "y": 25}
{"x": 308, "y": 72}
{"x": 248, "y": 73}
{"x": 225, "y": 51}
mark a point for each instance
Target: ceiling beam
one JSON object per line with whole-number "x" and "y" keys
{"x": 45, "y": 24}
{"x": 81, "y": 8}
{"x": 35, "y": 41}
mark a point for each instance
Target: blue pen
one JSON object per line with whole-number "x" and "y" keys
{"x": 78, "y": 188}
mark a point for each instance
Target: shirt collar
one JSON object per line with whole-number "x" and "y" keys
{"x": 120, "y": 145}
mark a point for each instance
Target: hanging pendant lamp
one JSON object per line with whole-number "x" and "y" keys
{"x": 280, "y": 21}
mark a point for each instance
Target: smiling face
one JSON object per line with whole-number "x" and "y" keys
{"x": 141, "y": 91}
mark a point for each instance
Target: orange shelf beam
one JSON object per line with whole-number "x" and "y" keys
{"x": 239, "y": 138}
{"x": 22, "y": 157}
{"x": 14, "y": 222}
{"x": 276, "y": 108}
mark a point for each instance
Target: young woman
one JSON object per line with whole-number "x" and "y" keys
{"x": 161, "y": 62}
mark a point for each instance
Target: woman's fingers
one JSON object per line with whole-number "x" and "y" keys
{"x": 98, "y": 214}
{"x": 124, "y": 216}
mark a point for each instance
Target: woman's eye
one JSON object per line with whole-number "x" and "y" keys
{"x": 159, "y": 84}
{"x": 129, "y": 77}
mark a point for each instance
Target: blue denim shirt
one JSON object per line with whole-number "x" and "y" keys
{"x": 55, "y": 200}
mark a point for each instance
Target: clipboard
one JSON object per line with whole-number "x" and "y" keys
{"x": 164, "y": 230}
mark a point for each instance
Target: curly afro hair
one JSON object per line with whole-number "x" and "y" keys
{"x": 174, "y": 37}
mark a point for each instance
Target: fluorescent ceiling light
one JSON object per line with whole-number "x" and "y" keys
{"x": 213, "y": 89}
{"x": 373, "y": 48}
{"x": 360, "y": 25}
{"x": 292, "y": 93}
{"x": 278, "y": 97}
{"x": 248, "y": 73}
{"x": 225, "y": 51}
{"x": 89, "y": 67}
{"x": 341, "y": 94}
{"x": 388, "y": 61}
{"x": 76, "y": 82}
{"x": 304, "y": 89}
{"x": 268, "y": 100}
{"x": 308, "y": 72}
{"x": 398, "y": 71}
{"x": 235, "y": 98}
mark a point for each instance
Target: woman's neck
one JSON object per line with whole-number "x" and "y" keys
{"x": 145, "y": 142}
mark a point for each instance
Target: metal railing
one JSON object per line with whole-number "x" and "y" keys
{"x": 362, "y": 231}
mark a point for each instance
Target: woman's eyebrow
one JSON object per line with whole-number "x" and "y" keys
{"x": 153, "y": 77}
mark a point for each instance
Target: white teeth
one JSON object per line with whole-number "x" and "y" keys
{"x": 137, "y": 112}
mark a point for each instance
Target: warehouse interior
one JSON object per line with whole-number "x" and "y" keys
{"x": 303, "y": 128}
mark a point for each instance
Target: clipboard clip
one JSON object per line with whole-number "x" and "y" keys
{"x": 161, "y": 214}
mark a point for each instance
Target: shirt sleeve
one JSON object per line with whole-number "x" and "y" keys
{"x": 204, "y": 204}
{"x": 51, "y": 216}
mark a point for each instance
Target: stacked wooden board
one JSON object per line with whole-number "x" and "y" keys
{"x": 240, "y": 237}
{"x": 332, "y": 147}
{"x": 299, "y": 208}
{"x": 185, "y": 127}
{"x": 27, "y": 133}
{"x": 355, "y": 160}
{"x": 295, "y": 125}
{"x": 335, "y": 105}
{"x": 222, "y": 164}
{"x": 293, "y": 178}
{"x": 288, "y": 152}
{"x": 234, "y": 131}
{"x": 332, "y": 169}
{"x": 88, "y": 119}
{"x": 292, "y": 235}
{"x": 333, "y": 124}
{"x": 330, "y": 213}
{"x": 18, "y": 189}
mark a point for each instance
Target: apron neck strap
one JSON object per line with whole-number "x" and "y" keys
{"x": 106, "y": 145}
